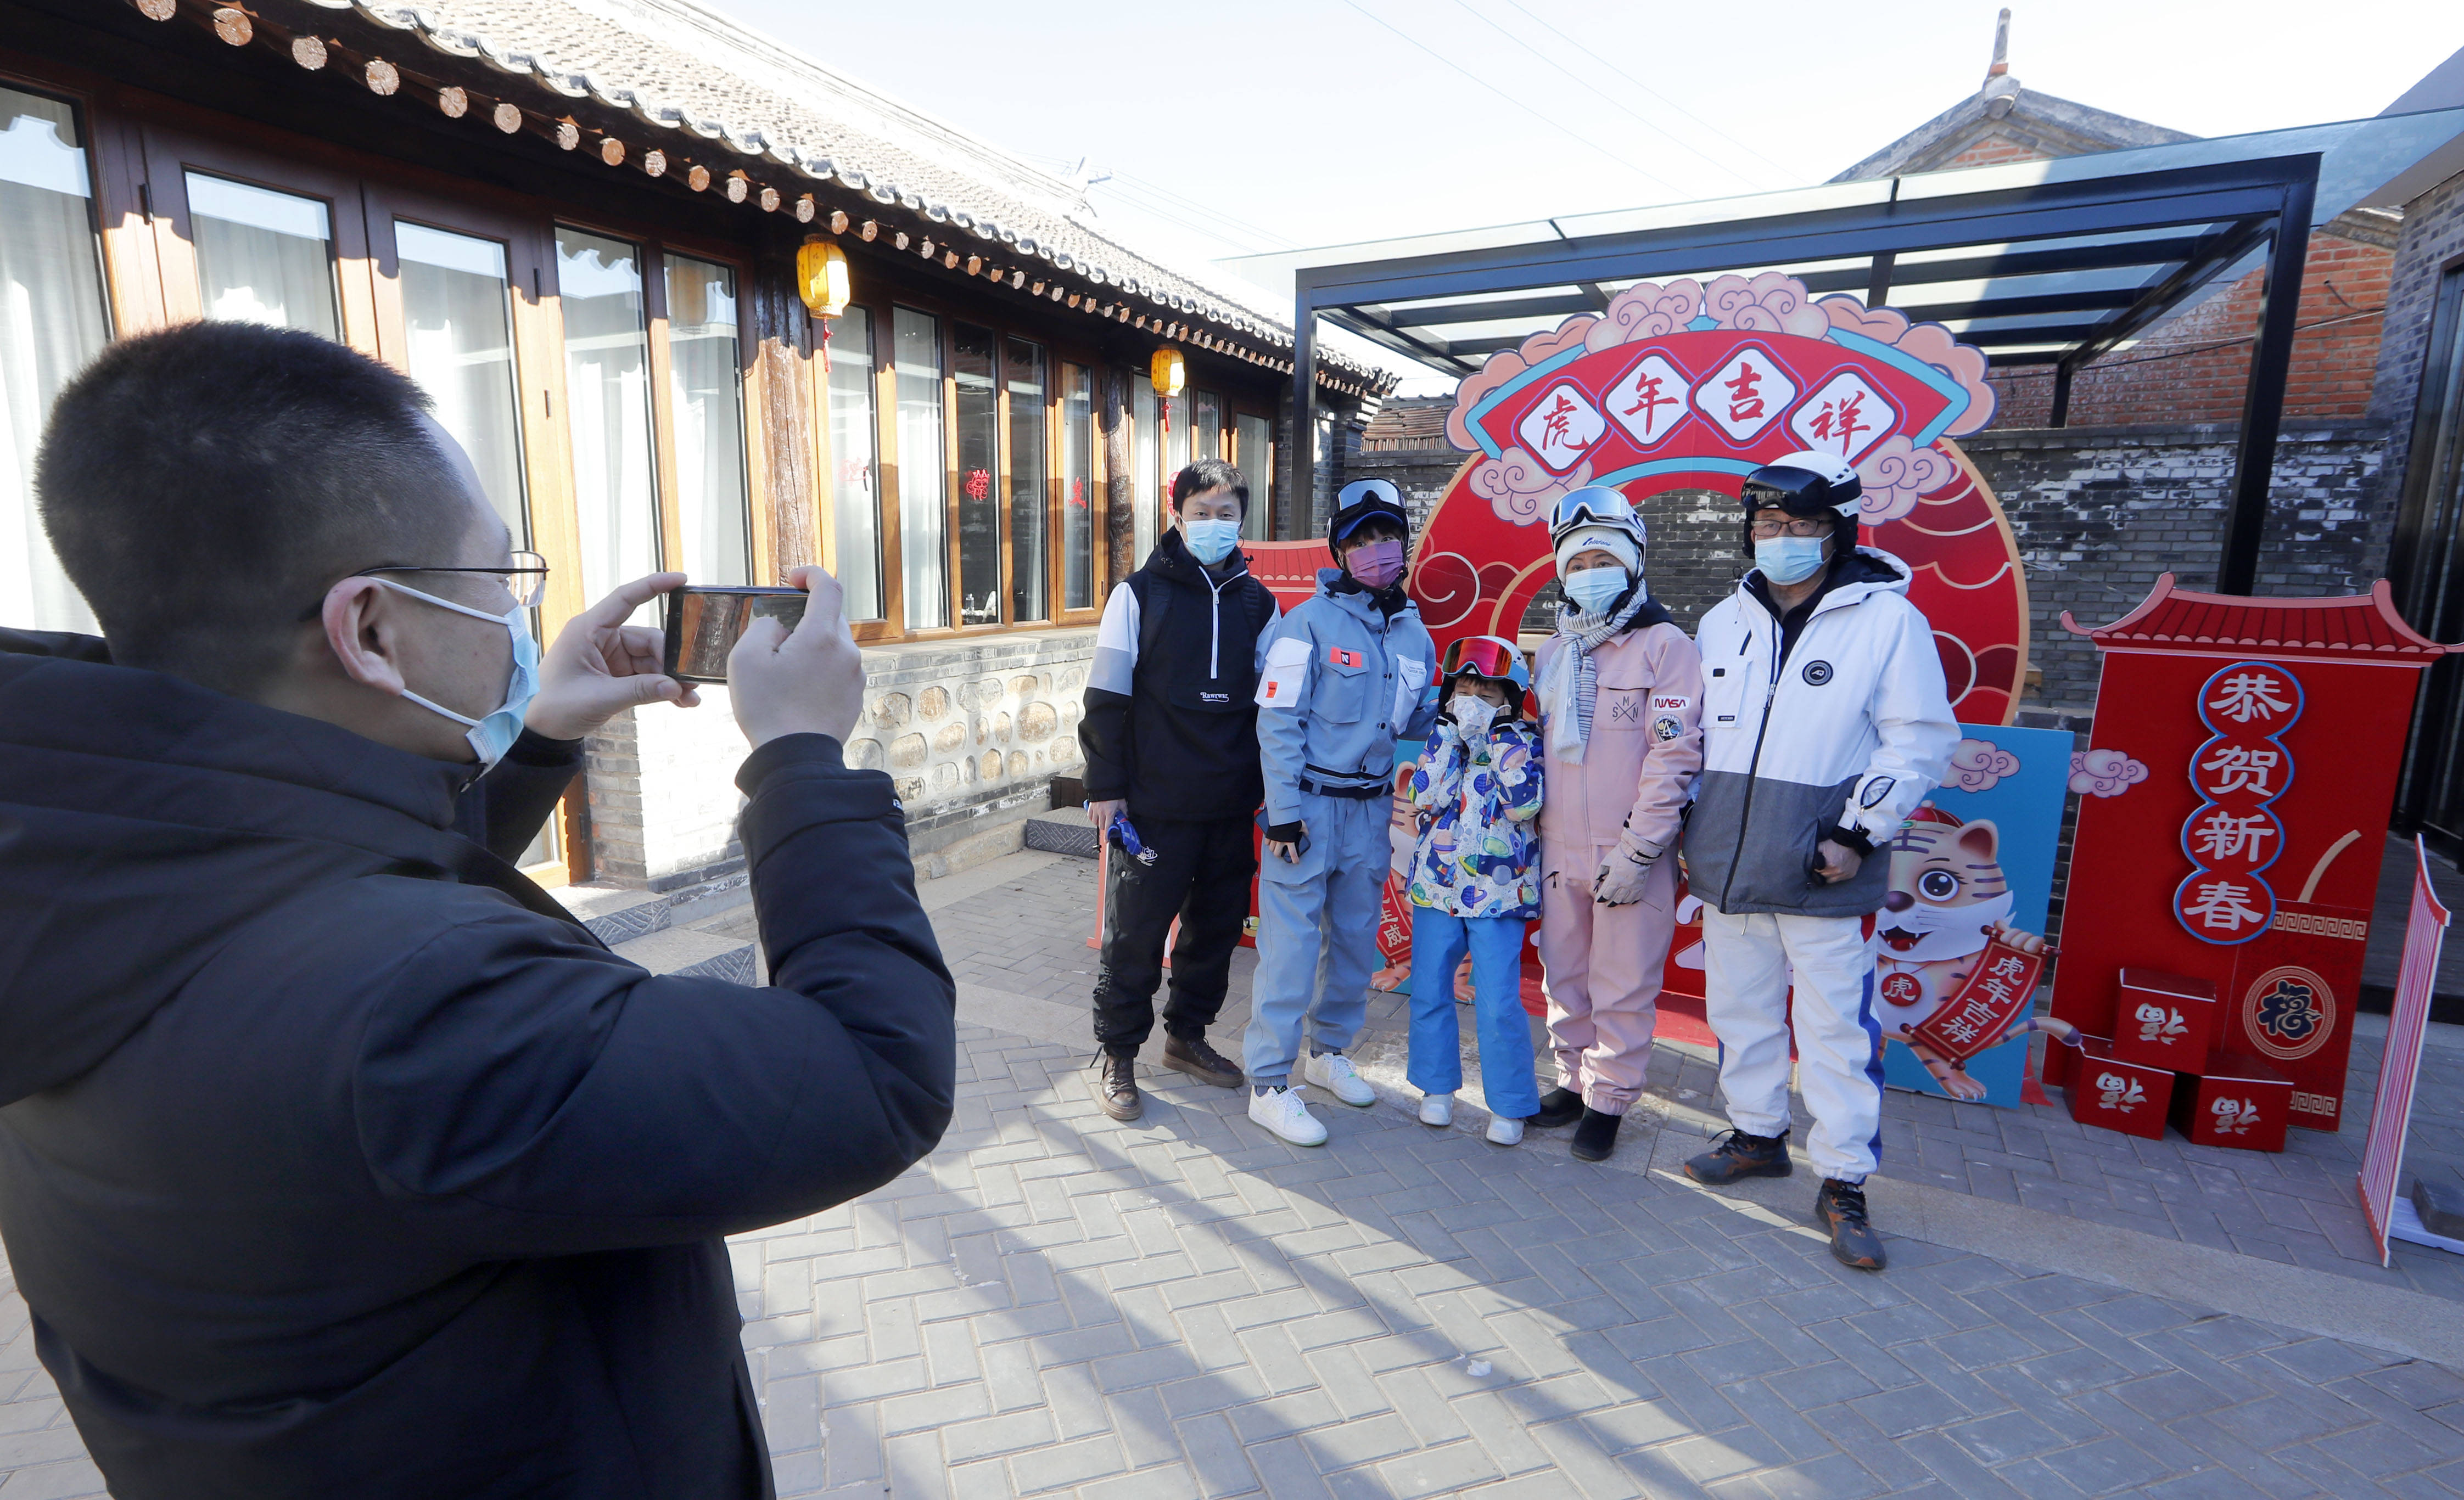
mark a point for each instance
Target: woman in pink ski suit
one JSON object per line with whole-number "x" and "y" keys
{"x": 1620, "y": 702}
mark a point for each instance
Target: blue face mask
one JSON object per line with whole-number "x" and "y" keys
{"x": 1210, "y": 542}
{"x": 1787, "y": 559}
{"x": 494, "y": 736}
{"x": 1593, "y": 588}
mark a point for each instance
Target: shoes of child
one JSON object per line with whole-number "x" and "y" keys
{"x": 1438, "y": 1109}
{"x": 1333, "y": 1073}
{"x": 1281, "y": 1111}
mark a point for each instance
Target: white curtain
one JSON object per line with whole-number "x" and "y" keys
{"x": 705, "y": 376}
{"x": 608, "y": 390}
{"x": 855, "y": 503}
{"x": 1256, "y": 466}
{"x": 262, "y": 257}
{"x": 461, "y": 348}
{"x": 51, "y": 323}
{"x": 1079, "y": 505}
{"x": 923, "y": 529}
{"x": 1151, "y": 503}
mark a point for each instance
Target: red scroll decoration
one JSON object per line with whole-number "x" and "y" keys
{"x": 2233, "y": 837}
{"x": 1998, "y": 991}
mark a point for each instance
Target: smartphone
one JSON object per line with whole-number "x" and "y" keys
{"x": 703, "y": 624}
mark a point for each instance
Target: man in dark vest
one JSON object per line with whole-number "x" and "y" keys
{"x": 1171, "y": 736}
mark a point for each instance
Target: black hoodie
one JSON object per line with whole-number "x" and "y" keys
{"x": 335, "y": 1160}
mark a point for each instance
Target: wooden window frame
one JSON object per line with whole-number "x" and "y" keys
{"x": 893, "y": 628}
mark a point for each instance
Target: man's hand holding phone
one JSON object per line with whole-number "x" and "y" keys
{"x": 600, "y": 667}
{"x": 808, "y": 681}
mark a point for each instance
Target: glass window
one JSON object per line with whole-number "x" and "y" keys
{"x": 706, "y": 397}
{"x": 1077, "y": 488}
{"x": 51, "y": 323}
{"x": 608, "y": 394}
{"x": 923, "y": 562}
{"x": 1256, "y": 458}
{"x": 855, "y": 498}
{"x": 458, "y": 333}
{"x": 263, "y": 257}
{"x": 1206, "y": 423}
{"x": 1029, "y": 486}
{"x": 978, "y": 420}
{"x": 1148, "y": 459}
{"x": 1176, "y": 438}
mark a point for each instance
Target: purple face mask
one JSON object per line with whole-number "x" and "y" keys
{"x": 1376, "y": 564}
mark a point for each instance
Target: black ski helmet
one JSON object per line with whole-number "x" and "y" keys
{"x": 1362, "y": 500}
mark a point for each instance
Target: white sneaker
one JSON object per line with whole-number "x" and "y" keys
{"x": 1504, "y": 1132}
{"x": 1282, "y": 1112}
{"x": 1335, "y": 1073}
{"x": 1438, "y": 1109}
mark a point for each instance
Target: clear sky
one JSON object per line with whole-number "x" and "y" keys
{"x": 1272, "y": 124}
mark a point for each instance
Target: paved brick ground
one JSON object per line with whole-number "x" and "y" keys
{"x": 1057, "y": 1305}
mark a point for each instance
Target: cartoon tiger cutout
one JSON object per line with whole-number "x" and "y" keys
{"x": 1947, "y": 898}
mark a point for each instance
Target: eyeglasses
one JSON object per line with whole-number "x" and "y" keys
{"x": 1766, "y": 530}
{"x": 526, "y": 580}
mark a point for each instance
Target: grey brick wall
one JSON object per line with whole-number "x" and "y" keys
{"x": 2101, "y": 511}
{"x": 2433, "y": 234}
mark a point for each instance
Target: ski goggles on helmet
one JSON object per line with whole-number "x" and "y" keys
{"x": 1593, "y": 505}
{"x": 1804, "y": 484}
{"x": 1487, "y": 655}
{"x": 1360, "y": 501}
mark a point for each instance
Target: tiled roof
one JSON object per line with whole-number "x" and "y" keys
{"x": 2345, "y": 628}
{"x": 680, "y": 78}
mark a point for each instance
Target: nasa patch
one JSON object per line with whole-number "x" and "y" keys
{"x": 1815, "y": 673}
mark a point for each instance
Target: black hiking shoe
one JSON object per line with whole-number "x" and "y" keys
{"x": 1596, "y": 1137}
{"x": 1193, "y": 1056}
{"x": 1840, "y": 1211}
{"x": 1114, "y": 1084}
{"x": 1737, "y": 1154}
{"x": 1558, "y": 1107}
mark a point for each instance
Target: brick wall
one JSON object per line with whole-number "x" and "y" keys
{"x": 2100, "y": 511}
{"x": 2196, "y": 366}
{"x": 971, "y": 732}
{"x": 2433, "y": 234}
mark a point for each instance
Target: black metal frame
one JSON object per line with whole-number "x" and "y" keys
{"x": 2184, "y": 226}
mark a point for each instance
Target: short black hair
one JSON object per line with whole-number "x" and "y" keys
{"x": 1374, "y": 528}
{"x": 204, "y": 483}
{"x": 1210, "y": 473}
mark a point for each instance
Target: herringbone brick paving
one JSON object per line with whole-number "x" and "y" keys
{"x": 1054, "y": 1304}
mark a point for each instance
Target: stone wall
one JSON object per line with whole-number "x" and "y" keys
{"x": 2434, "y": 235}
{"x": 971, "y": 731}
{"x": 2101, "y": 511}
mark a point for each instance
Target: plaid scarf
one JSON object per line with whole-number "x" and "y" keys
{"x": 1572, "y": 680}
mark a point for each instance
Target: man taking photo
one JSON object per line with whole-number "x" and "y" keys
{"x": 335, "y": 1158}
{"x": 1825, "y": 721}
{"x": 1171, "y": 739}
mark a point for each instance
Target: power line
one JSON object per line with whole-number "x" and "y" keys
{"x": 1646, "y": 122}
{"x": 1492, "y": 88}
{"x": 1785, "y": 173}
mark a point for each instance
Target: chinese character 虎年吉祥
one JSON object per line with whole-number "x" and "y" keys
{"x": 1647, "y": 402}
{"x": 1745, "y": 399}
{"x": 1837, "y": 419}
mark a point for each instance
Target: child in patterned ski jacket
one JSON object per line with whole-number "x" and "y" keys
{"x": 1475, "y": 881}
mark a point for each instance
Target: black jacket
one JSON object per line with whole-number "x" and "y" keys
{"x": 1170, "y": 720}
{"x": 335, "y": 1160}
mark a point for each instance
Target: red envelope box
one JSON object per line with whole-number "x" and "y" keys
{"x": 2165, "y": 1020}
{"x": 2129, "y": 1096}
{"x": 2241, "y": 1101}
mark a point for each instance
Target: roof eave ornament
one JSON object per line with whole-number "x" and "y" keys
{"x": 2001, "y": 91}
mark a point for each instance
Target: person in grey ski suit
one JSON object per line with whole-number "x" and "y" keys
{"x": 1348, "y": 672}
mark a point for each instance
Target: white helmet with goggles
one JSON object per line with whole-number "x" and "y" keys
{"x": 1805, "y": 484}
{"x": 1597, "y": 516}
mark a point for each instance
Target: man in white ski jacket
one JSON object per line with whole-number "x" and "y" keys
{"x": 1825, "y": 723}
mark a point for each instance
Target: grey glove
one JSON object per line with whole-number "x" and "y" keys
{"x": 1623, "y": 874}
